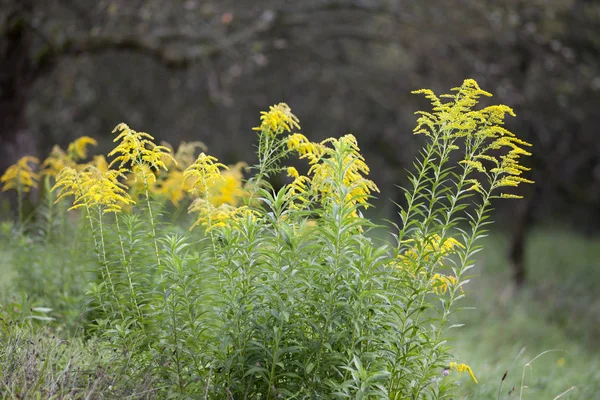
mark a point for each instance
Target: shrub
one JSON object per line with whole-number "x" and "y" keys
{"x": 285, "y": 293}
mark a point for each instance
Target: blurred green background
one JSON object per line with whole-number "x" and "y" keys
{"x": 202, "y": 70}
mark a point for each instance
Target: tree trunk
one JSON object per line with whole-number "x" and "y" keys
{"x": 16, "y": 78}
{"x": 524, "y": 221}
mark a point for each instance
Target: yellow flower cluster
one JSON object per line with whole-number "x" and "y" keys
{"x": 299, "y": 143}
{"x": 483, "y": 128}
{"x": 170, "y": 184}
{"x": 77, "y": 150}
{"x": 277, "y": 120}
{"x": 298, "y": 189}
{"x": 203, "y": 174}
{"x": 460, "y": 368}
{"x": 142, "y": 165}
{"x": 441, "y": 283}
{"x": 93, "y": 187}
{"x": 229, "y": 189}
{"x": 332, "y": 160}
{"x": 219, "y": 190}
{"x": 138, "y": 148}
{"x": 455, "y": 117}
{"x": 56, "y": 161}
{"x": 431, "y": 249}
{"x": 224, "y": 215}
{"x": 21, "y": 176}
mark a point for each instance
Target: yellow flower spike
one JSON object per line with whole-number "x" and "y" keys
{"x": 299, "y": 190}
{"x": 460, "y": 368}
{"x": 293, "y": 172}
{"x": 141, "y": 174}
{"x": 137, "y": 148}
{"x": 20, "y": 175}
{"x": 92, "y": 187}
{"x": 432, "y": 249}
{"x": 277, "y": 120}
{"x": 56, "y": 161}
{"x": 67, "y": 183}
{"x": 441, "y": 283}
{"x": 456, "y": 118}
{"x": 324, "y": 171}
{"x": 172, "y": 187}
{"x": 474, "y": 164}
{"x": 299, "y": 143}
{"x": 100, "y": 162}
{"x": 229, "y": 190}
{"x": 186, "y": 153}
{"x": 107, "y": 191}
{"x": 77, "y": 150}
{"x": 203, "y": 174}
{"x": 212, "y": 217}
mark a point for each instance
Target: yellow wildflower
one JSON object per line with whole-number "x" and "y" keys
{"x": 137, "y": 148}
{"x": 20, "y": 176}
{"x": 77, "y": 150}
{"x": 353, "y": 170}
{"x": 427, "y": 250}
{"x": 460, "y": 368}
{"x": 300, "y": 144}
{"x": 92, "y": 187}
{"x": 299, "y": 190}
{"x": 100, "y": 162}
{"x": 172, "y": 187}
{"x": 456, "y": 118}
{"x": 293, "y": 172}
{"x": 212, "y": 217}
{"x": 441, "y": 283}
{"x": 56, "y": 161}
{"x": 277, "y": 120}
{"x": 186, "y": 153}
{"x": 203, "y": 174}
{"x": 229, "y": 190}
{"x": 474, "y": 164}
{"x": 69, "y": 183}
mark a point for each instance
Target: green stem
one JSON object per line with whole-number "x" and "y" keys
{"x": 20, "y": 202}
{"x": 152, "y": 224}
{"x": 127, "y": 265}
{"x": 105, "y": 264}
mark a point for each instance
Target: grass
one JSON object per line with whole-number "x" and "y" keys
{"x": 556, "y": 312}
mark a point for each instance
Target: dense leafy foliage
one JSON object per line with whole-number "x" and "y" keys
{"x": 275, "y": 293}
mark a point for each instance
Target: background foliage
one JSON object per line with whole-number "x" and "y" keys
{"x": 75, "y": 67}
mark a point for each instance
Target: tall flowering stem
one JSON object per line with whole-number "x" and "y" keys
{"x": 93, "y": 189}
{"x": 201, "y": 176}
{"x": 271, "y": 144}
{"x": 137, "y": 151}
{"x": 431, "y": 215}
{"x": 21, "y": 177}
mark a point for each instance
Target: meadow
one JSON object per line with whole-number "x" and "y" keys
{"x": 110, "y": 290}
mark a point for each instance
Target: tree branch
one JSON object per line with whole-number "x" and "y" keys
{"x": 170, "y": 56}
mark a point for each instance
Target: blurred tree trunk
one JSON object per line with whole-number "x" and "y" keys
{"x": 16, "y": 78}
{"x": 518, "y": 241}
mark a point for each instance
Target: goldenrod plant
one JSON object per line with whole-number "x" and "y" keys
{"x": 286, "y": 293}
{"x": 21, "y": 177}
